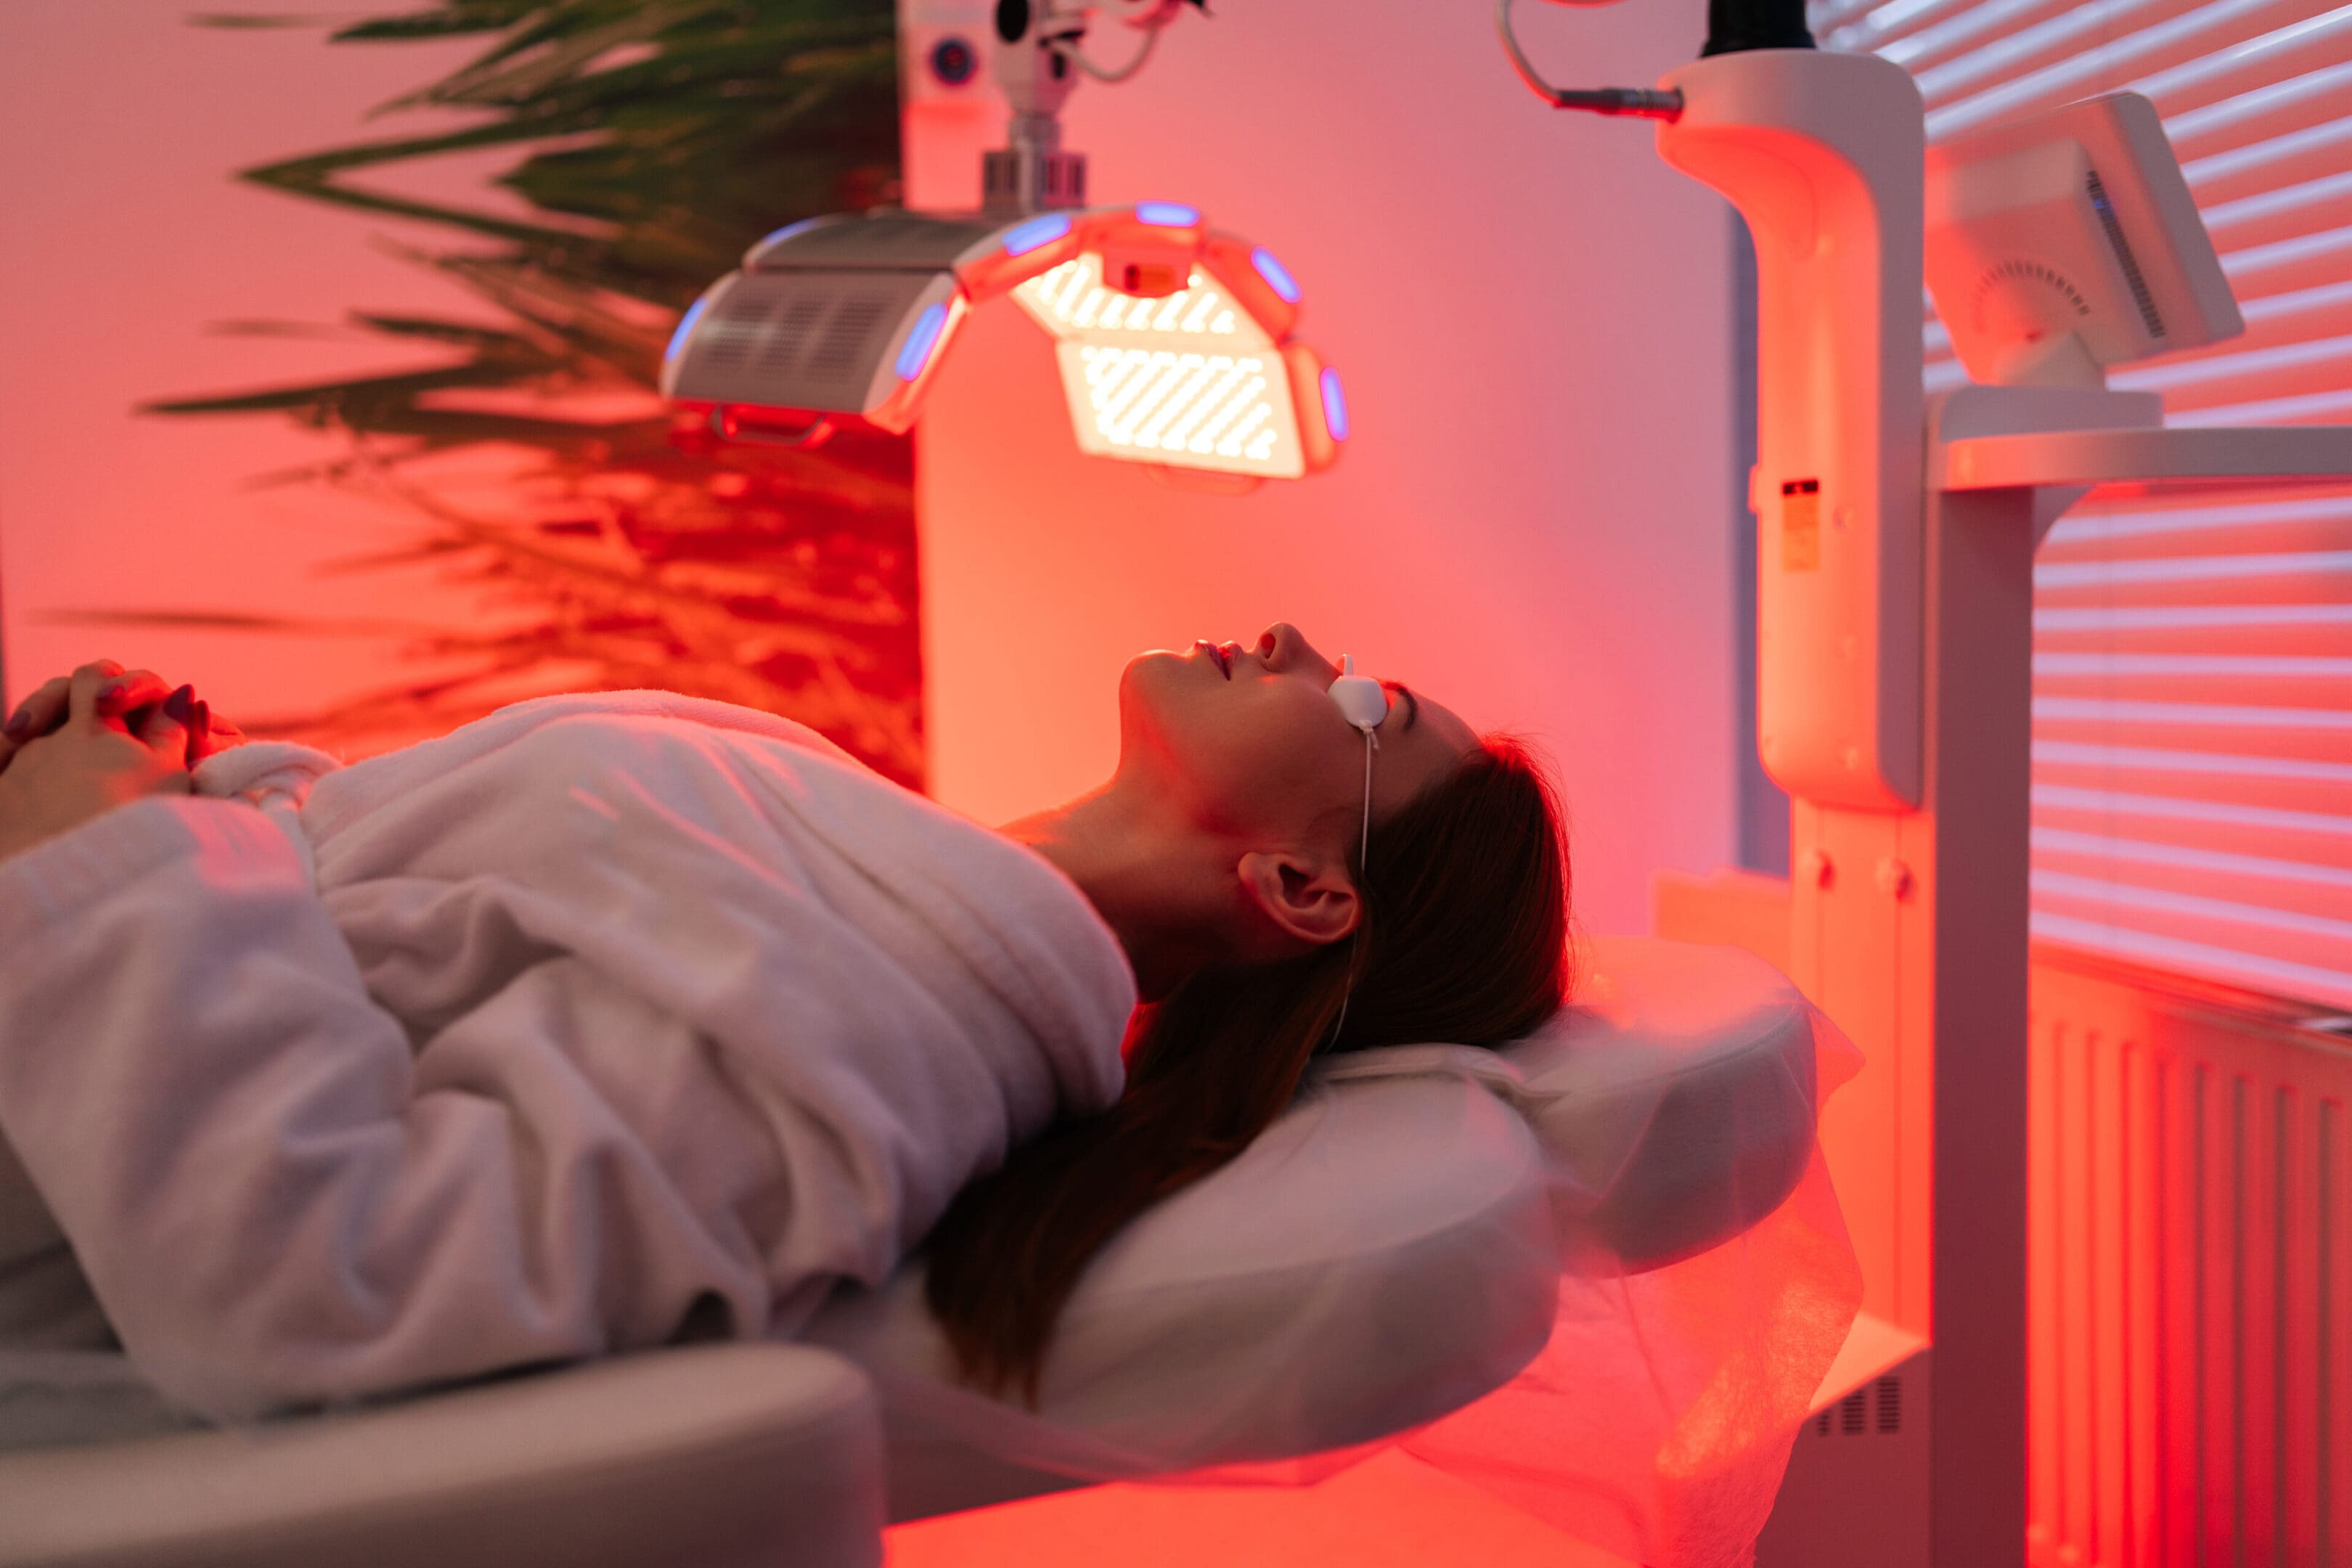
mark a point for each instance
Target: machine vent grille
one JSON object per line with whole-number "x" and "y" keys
{"x": 741, "y": 323}
{"x": 788, "y": 336}
{"x": 2114, "y": 229}
{"x": 1875, "y": 1408}
{"x": 849, "y": 335}
{"x": 801, "y": 339}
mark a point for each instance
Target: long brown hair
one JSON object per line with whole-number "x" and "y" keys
{"x": 1464, "y": 938}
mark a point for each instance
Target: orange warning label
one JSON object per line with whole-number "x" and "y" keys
{"x": 1800, "y": 525}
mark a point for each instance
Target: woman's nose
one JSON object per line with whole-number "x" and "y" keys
{"x": 1285, "y": 646}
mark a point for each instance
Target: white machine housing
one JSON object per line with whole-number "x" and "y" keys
{"x": 1809, "y": 146}
{"x": 1905, "y": 915}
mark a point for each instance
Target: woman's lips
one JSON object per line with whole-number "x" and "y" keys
{"x": 1219, "y": 652}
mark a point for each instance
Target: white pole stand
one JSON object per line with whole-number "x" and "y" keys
{"x": 1895, "y": 565}
{"x": 1914, "y": 929}
{"x": 1896, "y": 591}
{"x": 1894, "y": 642}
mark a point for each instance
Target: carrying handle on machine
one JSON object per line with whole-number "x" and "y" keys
{"x": 726, "y": 424}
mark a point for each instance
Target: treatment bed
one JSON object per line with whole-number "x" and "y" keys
{"x": 1599, "y": 1273}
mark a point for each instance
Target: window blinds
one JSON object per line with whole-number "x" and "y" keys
{"x": 2192, "y": 668}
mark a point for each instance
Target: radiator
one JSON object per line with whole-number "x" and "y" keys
{"x": 2190, "y": 1274}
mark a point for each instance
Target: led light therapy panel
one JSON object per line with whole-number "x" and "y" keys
{"x": 1174, "y": 340}
{"x": 1189, "y": 379}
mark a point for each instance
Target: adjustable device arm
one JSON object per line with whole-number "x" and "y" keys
{"x": 1040, "y": 52}
{"x": 1733, "y": 27}
{"x": 1638, "y": 100}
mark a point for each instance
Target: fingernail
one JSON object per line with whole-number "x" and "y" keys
{"x": 180, "y": 706}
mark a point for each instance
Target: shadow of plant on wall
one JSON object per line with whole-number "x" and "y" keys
{"x": 658, "y": 138}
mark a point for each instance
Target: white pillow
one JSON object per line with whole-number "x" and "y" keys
{"x": 1379, "y": 1257}
{"x": 1391, "y": 1248}
{"x": 1676, "y": 1098}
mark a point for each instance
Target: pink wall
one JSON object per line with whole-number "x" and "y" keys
{"x": 122, "y": 236}
{"x": 1528, "y": 310}
{"x": 1531, "y": 520}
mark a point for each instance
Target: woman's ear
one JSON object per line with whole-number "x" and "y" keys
{"x": 1312, "y": 900}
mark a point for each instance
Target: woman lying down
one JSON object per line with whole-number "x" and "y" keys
{"x": 613, "y": 1019}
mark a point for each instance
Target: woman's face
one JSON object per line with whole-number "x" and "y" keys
{"x": 1246, "y": 740}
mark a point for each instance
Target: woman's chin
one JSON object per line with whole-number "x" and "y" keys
{"x": 1153, "y": 664}
{"x": 1150, "y": 687}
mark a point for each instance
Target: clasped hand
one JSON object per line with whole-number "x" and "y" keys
{"x": 97, "y": 738}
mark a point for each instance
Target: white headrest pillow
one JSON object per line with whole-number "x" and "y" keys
{"x": 1380, "y": 1256}
{"x": 1387, "y": 1250}
{"x": 1674, "y": 1099}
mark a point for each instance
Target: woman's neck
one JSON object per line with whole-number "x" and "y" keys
{"x": 1151, "y": 883}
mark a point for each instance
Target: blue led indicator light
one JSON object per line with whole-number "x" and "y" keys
{"x": 1277, "y": 277}
{"x": 1167, "y": 214}
{"x": 685, "y": 329}
{"x": 1045, "y": 229}
{"x": 1334, "y": 405}
{"x": 921, "y": 340}
{"x": 786, "y": 232}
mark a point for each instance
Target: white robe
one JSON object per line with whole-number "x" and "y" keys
{"x": 523, "y": 1043}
